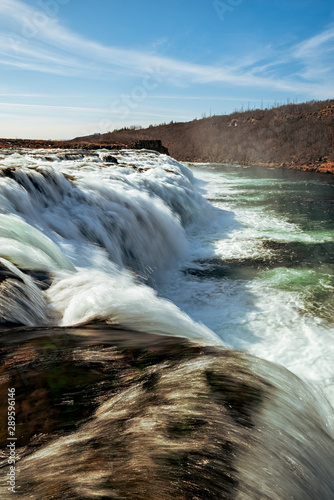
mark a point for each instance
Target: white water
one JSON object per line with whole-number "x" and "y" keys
{"x": 106, "y": 234}
{"x": 137, "y": 244}
{"x": 116, "y": 238}
{"x": 267, "y": 314}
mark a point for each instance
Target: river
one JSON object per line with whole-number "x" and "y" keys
{"x": 166, "y": 332}
{"x": 261, "y": 276}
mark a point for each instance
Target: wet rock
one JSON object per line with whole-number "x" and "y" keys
{"x": 110, "y": 159}
{"x": 71, "y": 156}
{"x": 130, "y": 415}
{"x": 149, "y": 144}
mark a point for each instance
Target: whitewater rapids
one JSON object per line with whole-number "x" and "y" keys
{"x": 101, "y": 258}
{"x": 103, "y": 234}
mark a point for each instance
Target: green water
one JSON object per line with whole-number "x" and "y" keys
{"x": 262, "y": 276}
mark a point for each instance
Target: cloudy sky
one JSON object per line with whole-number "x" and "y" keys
{"x": 73, "y": 67}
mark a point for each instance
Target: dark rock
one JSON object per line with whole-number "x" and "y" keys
{"x": 110, "y": 159}
{"x": 110, "y": 413}
{"x": 151, "y": 144}
{"x": 71, "y": 156}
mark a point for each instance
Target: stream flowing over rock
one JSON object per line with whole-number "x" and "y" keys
{"x": 165, "y": 331}
{"x": 110, "y": 413}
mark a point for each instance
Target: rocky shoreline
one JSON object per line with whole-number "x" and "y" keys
{"x": 322, "y": 165}
{"x": 154, "y": 145}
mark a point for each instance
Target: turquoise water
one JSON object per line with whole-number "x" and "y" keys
{"x": 261, "y": 276}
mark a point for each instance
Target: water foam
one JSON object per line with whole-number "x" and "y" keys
{"x": 279, "y": 313}
{"x": 101, "y": 231}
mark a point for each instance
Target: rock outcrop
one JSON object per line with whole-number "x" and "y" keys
{"x": 151, "y": 144}
{"x": 103, "y": 412}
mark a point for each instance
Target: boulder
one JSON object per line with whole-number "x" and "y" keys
{"x": 150, "y": 144}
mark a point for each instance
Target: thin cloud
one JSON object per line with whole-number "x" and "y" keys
{"x": 36, "y": 95}
{"x": 205, "y": 98}
{"x": 317, "y": 57}
{"x": 31, "y": 108}
{"x": 46, "y": 107}
{"x": 313, "y": 45}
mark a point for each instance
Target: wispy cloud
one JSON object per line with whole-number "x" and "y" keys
{"x": 317, "y": 57}
{"x": 34, "y": 95}
{"x": 204, "y": 98}
{"x": 34, "y": 109}
{"x": 313, "y": 46}
{"x": 11, "y": 105}
{"x": 47, "y": 46}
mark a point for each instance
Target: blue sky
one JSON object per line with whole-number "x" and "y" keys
{"x": 75, "y": 67}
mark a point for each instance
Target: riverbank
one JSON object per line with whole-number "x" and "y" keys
{"x": 294, "y": 136}
{"x": 324, "y": 166}
{"x": 154, "y": 145}
{"x": 41, "y": 144}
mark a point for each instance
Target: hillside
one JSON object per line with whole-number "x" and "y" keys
{"x": 292, "y": 136}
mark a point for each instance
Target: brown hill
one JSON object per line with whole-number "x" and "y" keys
{"x": 292, "y": 136}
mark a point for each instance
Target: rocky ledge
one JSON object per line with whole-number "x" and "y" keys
{"x": 103, "y": 412}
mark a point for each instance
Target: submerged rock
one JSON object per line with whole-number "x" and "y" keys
{"x": 110, "y": 159}
{"x": 103, "y": 412}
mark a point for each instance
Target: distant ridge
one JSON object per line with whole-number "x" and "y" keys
{"x": 153, "y": 144}
{"x": 297, "y": 136}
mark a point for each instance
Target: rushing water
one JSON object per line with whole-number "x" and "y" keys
{"x": 92, "y": 227}
{"x": 237, "y": 259}
{"x": 262, "y": 276}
